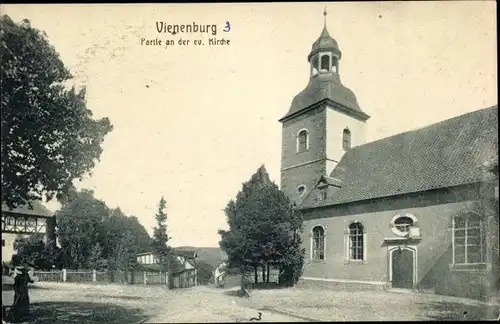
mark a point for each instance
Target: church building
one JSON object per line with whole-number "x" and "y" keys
{"x": 417, "y": 210}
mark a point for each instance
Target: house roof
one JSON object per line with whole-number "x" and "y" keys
{"x": 185, "y": 254}
{"x": 448, "y": 153}
{"x": 36, "y": 209}
{"x": 182, "y": 253}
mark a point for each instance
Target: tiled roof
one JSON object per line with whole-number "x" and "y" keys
{"x": 444, "y": 154}
{"x": 321, "y": 87}
{"x": 36, "y": 209}
{"x": 330, "y": 181}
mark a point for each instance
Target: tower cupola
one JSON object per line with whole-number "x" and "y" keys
{"x": 325, "y": 53}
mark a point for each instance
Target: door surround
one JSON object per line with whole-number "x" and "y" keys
{"x": 414, "y": 250}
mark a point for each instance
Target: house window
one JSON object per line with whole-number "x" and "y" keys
{"x": 318, "y": 243}
{"x": 302, "y": 141}
{"x": 3, "y": 242}
{"x": 31, "y": 222}
{"x": 356, "y": 241}
{"x": 469, "y": 243}
{"x": 301, "y": 190}
{"x": 346, "y": 139}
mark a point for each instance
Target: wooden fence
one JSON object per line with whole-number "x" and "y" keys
{"x": 182, "y": 280}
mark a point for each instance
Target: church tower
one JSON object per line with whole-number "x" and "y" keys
{"x": 324, "y": 121}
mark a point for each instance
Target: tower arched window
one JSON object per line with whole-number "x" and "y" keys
{"x": 335, "y": 65}
{"x": 346, "y": 139}
{"x": 318, "y": 243}
{"x": 302, "y": 141}
{"x": 325, "y": 63}
{"x": 314, "y": 65}
{"x": 356, "y": 241}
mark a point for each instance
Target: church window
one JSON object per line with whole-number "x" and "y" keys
{"x": 469, "y": 244}
{"x": 346, "y": 139}
{"x": 301, "y": 190}
{"x": 302, "y": 141}
{"x": 325, "y": 63}
{"x": 356, "y": 242}
{"x": 401, "y": 224}
{"x": 335, "y": 65}
{"x": 318, "y": 243}
{"x": 314, "y": 65}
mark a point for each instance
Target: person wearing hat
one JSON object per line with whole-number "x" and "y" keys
{"x": 21, "y": 307}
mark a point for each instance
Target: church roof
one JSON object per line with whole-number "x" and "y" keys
{"x": 325, "y": 42}
{"x": 36, "y": 209}
{"x": 448, "y": 153}
{"x": 321, "y": 87}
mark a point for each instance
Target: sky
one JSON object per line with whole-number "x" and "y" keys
{"x": 191, "y": 123}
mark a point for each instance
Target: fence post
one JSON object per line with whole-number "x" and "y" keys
{"x": 94, "y": 275}
{"x": 145, "y": 278}
{"x": 64, "y": 275}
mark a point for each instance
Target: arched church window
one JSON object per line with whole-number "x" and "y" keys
{"x": 335, "y": 65}
{"x": 356, "y": 244}
{"x": 325, "y": 63}
{"x": 346, "y": 139}
{"x": 302, "y": 141}
{"x": 314, "y": 65}
{"x": 318, "y": 243}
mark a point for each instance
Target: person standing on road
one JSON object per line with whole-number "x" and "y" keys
{"x": 21, "y": 307}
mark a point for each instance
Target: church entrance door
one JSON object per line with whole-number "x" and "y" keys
{"x": 402, "y": 268}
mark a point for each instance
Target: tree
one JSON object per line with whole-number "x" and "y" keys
{"x": 81, "y": 224}
{"x": 95, "y": 258}
{"x": 205, "y": 272}
{"x": 36, "y": 251}
{"x": 160, "y": 235}
{"x": 263, "y": 229}
{"x": 49, "y": 137}
{"x": 93, "y": 235}
{"x": 160, "y": 242}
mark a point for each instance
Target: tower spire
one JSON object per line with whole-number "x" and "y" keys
{"x": 324, "y": 14}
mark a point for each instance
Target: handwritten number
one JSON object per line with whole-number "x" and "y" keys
{"x": 227, "y": 27}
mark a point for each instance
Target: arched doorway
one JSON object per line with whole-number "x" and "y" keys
{"x": 402, "y": 267}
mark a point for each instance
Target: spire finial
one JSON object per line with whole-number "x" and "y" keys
{"x": 324, "y": 14}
